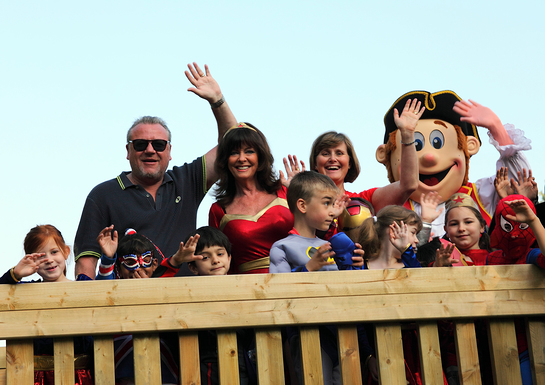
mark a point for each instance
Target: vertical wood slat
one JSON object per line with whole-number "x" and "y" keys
{"x": 270, "y": 361}
{"x": 430, "y": 353}
{"x": 2, "y": 365}
{"x": 466, "y": 351}
{"x": 63, "y": 349}
{"x": 189, "y": 358}
{"x": 228, "y": 357}
{"x": 391, "y": 366}
{"x": 349, "y": 354}
{"x": 147, "y": 359}
{"x": 536, "y": 347}
{"x": 104, "y": 359}
{"x": 504, "y": 352}
{"x": 20, "y": 361}
{"x": 311, "y": 355}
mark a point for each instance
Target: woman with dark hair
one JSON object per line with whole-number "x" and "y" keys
{"x": 251, "y": 207}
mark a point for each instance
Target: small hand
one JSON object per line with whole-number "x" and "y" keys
{"x": 29, "y": 264}
{"x": 409, "y": 118}
{"x": 523, "y": 212}
{"x": 502, "y": 184}
{"x": 357, "y": 258}
{"x": 291, "y": 169}
{"x": 474, "y": 113}
{"x": 527, "y": 186}
{"x": 204, "y": 85}
{"x": 186, "y": 253}
{"x": 108, "y": 245}
{"x": 428, "y": 204}
{"x": 399, "y": 236}
{"x": 139, "y": 273}
{"x": 442, "y": 257}
{"x": 320, "y": 258}
{"x": 340, "y": 204}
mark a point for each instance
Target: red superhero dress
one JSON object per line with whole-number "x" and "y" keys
{"x": 252, "y": 236}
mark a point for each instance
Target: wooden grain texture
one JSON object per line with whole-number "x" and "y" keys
{"x": 3, "y": 365}
{"x": 270, "y": 286}
{"x": 349, "y": 355}
{"x": 189, "y": 358}
{"x": 147, "y": 359}
{"x": 228, "y": 358}
{"x": 467, "y": 354}
{"x": 3, "y": 379}
{"x": 20, "y": 362}
{"x": 270, "y": 361}
{"x": 104, "y": 359}
{"x": 504, "y": 352}
{"x": 536, "y": 346}
{"x": 430, "y": 353}
{"x": 63, "y": 349}
{"x": 391, "y": 366}
{"x": 311, "y": 355}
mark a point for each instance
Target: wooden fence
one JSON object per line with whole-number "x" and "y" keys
{"x": 268, "y": 302}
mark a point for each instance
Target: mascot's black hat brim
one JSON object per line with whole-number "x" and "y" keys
{"x": 438, "y": 106}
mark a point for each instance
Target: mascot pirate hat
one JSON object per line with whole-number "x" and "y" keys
{"x": 438, "y": 106}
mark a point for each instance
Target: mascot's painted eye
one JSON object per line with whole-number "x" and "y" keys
{"x": 419, "y": 141}
{"x": 523, "y": 226}
{"x": 505, "y": 224}
{"x": 437, "y": 139}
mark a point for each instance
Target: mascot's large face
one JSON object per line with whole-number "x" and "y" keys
{"x": 441, "y": 163}
{"x": 512, "y": 237}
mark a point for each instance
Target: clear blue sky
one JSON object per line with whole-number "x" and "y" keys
{"x": 76, "y": 74}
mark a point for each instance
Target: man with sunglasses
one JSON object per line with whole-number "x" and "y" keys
{"x": 155, "y": 201}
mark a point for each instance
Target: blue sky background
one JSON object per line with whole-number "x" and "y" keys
{"x": 76, "y": 74}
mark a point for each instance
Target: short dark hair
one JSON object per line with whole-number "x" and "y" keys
{"x": 134, "y": 244}
{"x": 210, "y": 236}
{"x": 233, "y": 140}
{"x": 304, "y": 184}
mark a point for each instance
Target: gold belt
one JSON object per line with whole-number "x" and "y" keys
{"x": 81, "y": 361}
{"x": 261, "y": 263}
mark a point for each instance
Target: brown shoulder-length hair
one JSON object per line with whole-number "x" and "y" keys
{"x": 371, "y": 233}
{"x": 333, "y": 139}
{"x": 233, "y": 140}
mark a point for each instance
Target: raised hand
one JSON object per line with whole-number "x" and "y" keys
{"x": 528, "y": 185}
{"x": 204, "y": 84}
{"x": 292, "y": 168}
{"x": 474, "y": 113}
{"x": 400, "y": 236}
{"x": 320, "y": 258}
{"x": 186, "y": 253}
{"x": 523, "y": 212}
{"x": 502, "y": 183}
{"x": 340, "y": 204}
{"x": 406, "y": 122}
{"x": 29, "y": 265}
{"x": 428, "y": 204}
{"x": 443, "y": 256}
{"x": 108, "y": 245}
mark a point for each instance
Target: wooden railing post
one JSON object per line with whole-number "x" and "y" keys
{"x": 270, "y": 361}
{"x": 466, "y": 351}
{"x": 64, "y": 361}
{"x": 391, "y": 366}
{"x": 20, "y": 362}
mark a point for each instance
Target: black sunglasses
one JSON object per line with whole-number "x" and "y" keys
{"x": 141, "y": 144}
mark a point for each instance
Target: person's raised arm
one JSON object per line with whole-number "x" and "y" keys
{"x": 207, "y": 88}
{"x": 398, "y": 192}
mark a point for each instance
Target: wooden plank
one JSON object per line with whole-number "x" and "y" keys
{"x": 189, "y": 358}
{"x": 271, "y": 286}
{"x": 126, "y": 319}
{"x": 63, "y": 349}
{"x": 349, "y": 354}
{"x": 147, "y": 359}
{"x": 430, "y": 353}
{"x": 467, "y": 354}
{"x": 536, "y": 347}
{"x": 311, "y": 355}
{"x": 2, "y": 365}
{"x": 504, "y": 352}
{"x": 20, "y": 361}
{"x": 228, "y": 358}
{"x": 270, "y": 361}
{"x": 389, "y": 350}
{"x": 3, "y": 380}
{"x": 104, "y": 359}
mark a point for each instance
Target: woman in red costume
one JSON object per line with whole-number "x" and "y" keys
{"x": 251, "y": 207}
